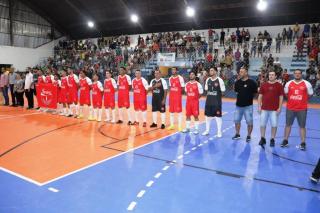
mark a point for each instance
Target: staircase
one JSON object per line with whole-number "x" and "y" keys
{"x": 298, "y": 63}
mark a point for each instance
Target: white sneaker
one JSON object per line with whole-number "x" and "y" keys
{"x": 185, "y": 131}
{"x": 113, "y": 121}
{"x": 195, "y": 132}
{"x": 219, "y": 135}
{"x": 107, "y": 120}
{"x": 205, "y": 133}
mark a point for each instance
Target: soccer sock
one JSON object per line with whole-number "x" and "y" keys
{"x": 188, "y": 124}
{"x": 154, "y": 117}
{"x": 129, "y": 115}
{"x": 70, "y": 109}
{"x": 180, "y": 120}
{"x": 113, "y": 111}
{"x": 80, "y": 110}
{"x": 90, "y": 111}
{"x": 196, "y": 125}
{"x": 136, "y": 113}
{"x": 219, "y": 124}
{"x": 95, "y": 114}
{"x": 171, "y": 119}
{"x": 144, "y": 116}
{"x": 163, "y": 118}
{"x": 208, "y": 120}
{"x": 99, "y": 114}
{"x": 77, "y": 107}
{"x": 120, "y": 114}
{"x": 107, "y": 114}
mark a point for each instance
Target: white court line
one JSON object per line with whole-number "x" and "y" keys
{"x": 53, "y": 189}
{"x": 93, "y": 164}
{"x": 131, "y": 206}
{"x": 158, "y": 175}
{"x": 20, "y": 176}
{"x": 141, "y": 193}
{"x": 149, "y": 184}
{"x": 15, "y": 116}
{"x": 187, "y": 152}
{"x": 165, "y": 168}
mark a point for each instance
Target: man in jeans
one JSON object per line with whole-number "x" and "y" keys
{"x": 298, "y": 92}
{"x": 28, "y": 87}
{"x": 269, "y": 106}
{"x": 12, "y": 81}
{"x": 246, "y": 89}
{"x": 4, "y": 85}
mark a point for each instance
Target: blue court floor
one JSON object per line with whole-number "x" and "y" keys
{"x": 184, "y": 173}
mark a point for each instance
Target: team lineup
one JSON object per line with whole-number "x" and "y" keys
{"x": 74, "y": 93}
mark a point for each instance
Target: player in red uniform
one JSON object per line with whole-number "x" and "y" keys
{"x": 49, "y": 77}
{"x": 140, "y": 89}
{"x": 97, "y": 90}
{"x": 41, "y": 80}
{"x": 298, "y": 92}
{"x": 84, "y": 94}
{"x": 110, "y": 87}
{"x": 193, "y": 91}
{"x": 56, "y": 82}
{"x": 176, "y": 84}
{"x": 73, "y": 84}
{"x": 124, "y": 86}
{"x": 63, "y": 94}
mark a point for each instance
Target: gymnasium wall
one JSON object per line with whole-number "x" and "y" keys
{"x": 21, "y": 57}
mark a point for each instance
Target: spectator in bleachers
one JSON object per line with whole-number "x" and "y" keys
{"x": 237, "y": 55}
{"x": 260, "y": 48}
{"x": 299, "y": 46}
{"x": 306, "y": 30}
{"x": 284, "y": 36}
{"x": 254, "y": 45}
{"x": 289, "y": 36}
{"x": 278, "y": 43}
{"x": 296, "y": 29}
{"x": 222, "y": 37}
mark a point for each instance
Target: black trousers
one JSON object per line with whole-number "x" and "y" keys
{"x": 20, "y": 98}
{"x": 316, "y": 171}
{"x": 29, "y": 95}
{"x": 13, "y": 96}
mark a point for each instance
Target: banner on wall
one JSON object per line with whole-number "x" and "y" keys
{"x": 47, "y": 96}
{"x": 166, "y": 57}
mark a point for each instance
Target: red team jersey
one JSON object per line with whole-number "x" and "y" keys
{"x": 97, "y": 90}
{"x": 63, "y": 95}
{"x": 84, "y": 95}
{"x": 109, "y": 93}
{"x": 56, "y": 83}
{"x": 175, "y": 96}
{"x": 73, "y": 89}
{"x": 298, "y": 95}
{"x": 124, "y": 83}
{"x": 193, "y": 91}
{"x": 140, "y": 94}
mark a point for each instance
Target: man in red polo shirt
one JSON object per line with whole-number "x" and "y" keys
{"x": 298, "y": 92}
{"x": 269, "y": 106}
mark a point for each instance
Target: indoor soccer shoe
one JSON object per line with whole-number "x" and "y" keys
{"x": 185, "y": 130}
{"x": 171, "y": 127}
{"x": 205, "y": 133}
{"x": 195, "y": 132}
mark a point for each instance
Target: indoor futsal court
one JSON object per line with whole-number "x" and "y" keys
{"x": 171, "y": 106}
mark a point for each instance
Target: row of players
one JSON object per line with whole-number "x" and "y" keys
{"x": 75, "y": 92}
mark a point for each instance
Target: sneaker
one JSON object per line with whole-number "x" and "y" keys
{"x": 144, "y": 124}
{"x": 135, "y": 123}
{"x": 99, "y": 119}
{"x": 185, "y": 130}
{"x": 180, "y": 129}
{"x": 107, "y": 120}
{"x": 163, "y": 126}
{"x": 219, "y": 135}
{"x": 272, "y": 142}
{"x": 171, "y": 127}
{"x": 262, "y": 141}
{"x": 284, "y": 143}
{"x": 205, "y": 133}
{"x": 130, "y": 123}
{"x": 153, "y": 125}
{"x": 302, "y": 146}
{"x": 90, "y": 118}
{"x": 80, "y": 116}
{"x": 248, "y": 139}
{"x": 236, "y": 137}
{"x": 113, "y": 121}
{"x": 314, "y": 180}
{"x": 119, "y": 122}
{"x": 195, "y": 132}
